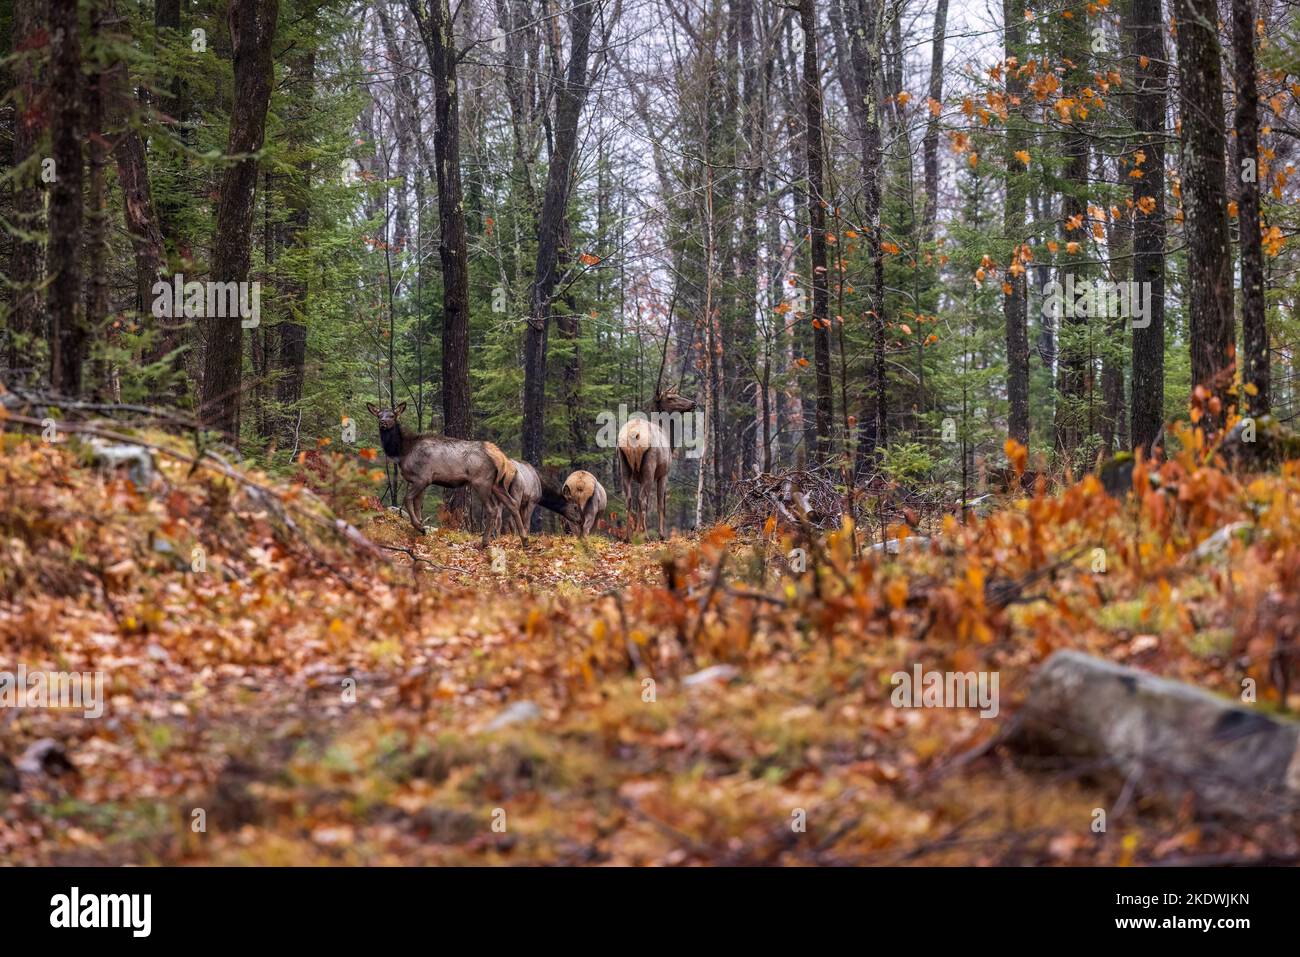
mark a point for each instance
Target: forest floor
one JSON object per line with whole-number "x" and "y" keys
{"x": 299, "y": 699}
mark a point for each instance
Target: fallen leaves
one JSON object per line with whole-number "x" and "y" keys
{"x": 326, "y": 706}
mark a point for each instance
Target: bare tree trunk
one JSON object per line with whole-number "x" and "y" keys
{"x": 436, "y": 30}
{"x": 821, "y": 335}
{"x": 864, "y": 97}
{"x": 1119, "y": 242}
{"x": 26, "y": 263}
{"x": 68, "y": 336}
{"x": 96, "y": 237}
{"x": 800, "y": 407}
{"x": 571, "y": 94}
{"x": 1015, "y": 305}
{"x": 138, "y": 212}
{"x": 252, "y": 32}
{"x": 1148, "y": 381}
{"x": 752, "y": 127}
{"x": 291, "y": 358}
{"x": 1254, "y": 326}
{"x": 930, "y": 144}
{"x": 1074, "y": 373}
{"x": 1205, "y": 201}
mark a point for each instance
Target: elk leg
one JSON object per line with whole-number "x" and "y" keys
{"x": 414, "y": 499}
{"x": 485, "y": 500}
{"x": 631, "y": 506}
{"x": 663, "y": 502}
{"x": 512, "y": 512}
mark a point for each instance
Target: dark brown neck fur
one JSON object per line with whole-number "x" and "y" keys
{"x": 552, "y": 499}
{"x": 395, "y": 441}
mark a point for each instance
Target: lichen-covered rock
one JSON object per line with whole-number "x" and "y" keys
{"x": 1260, "y": 442}
{"x": 1167, "y": 737}
{"x": 1116, "y": 474}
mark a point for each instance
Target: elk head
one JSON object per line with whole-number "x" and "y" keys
{"x": 387, "y": 417}
{"x": 670, "y": 400}
{"x": 390, "y": 432}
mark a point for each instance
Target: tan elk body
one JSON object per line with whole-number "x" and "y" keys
{"x": 585, "y": 493}
{"x": 645, "y": 457}
{"x": 527, "y": 490}
{"x": 432, "y": 459}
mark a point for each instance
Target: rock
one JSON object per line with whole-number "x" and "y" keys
{"x": 46, "y": 756}
{"x": 719, "y": 673}
{"x": 1167, "y": 737}
{"x": 892, "y": 546}
{"x": 164, "y": 547}
{"x": 1217, "y": 543}
{"x": 521, "y": 712}
{"x": 1116, "y": 475}
{"x": 137, "y": 460}
{"x": 1259, "y": 443}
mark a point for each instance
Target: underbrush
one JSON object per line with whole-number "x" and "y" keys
{"x": 422, "y": 700}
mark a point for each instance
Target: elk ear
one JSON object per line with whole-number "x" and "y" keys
{"x": 400, "y": 409}
{"x": 372, "y": 409}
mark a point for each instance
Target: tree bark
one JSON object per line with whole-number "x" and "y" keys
{"x": 1148, "y": 380}
{"x": 930, "y": 143}
{"x": 1074, "y": 369}
{"x": 863, "y": 22}
{"x": 291, "y": 356}
{"x": 26, "y": 263}
{"x": 96, "y": 233}
{"x": 68, "y": 336}
{"x": 571, "y": 94}
{"x": 821, "y": 335}
{"x": 1254, "y": 326}
{"x": 438, "y": 33}
{"x": 1015, "y": 305}
{"x": 1205, "y": 202}
{"x": 252, "y": 31}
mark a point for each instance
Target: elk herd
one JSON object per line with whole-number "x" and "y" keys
{"x": 513, "y": 488}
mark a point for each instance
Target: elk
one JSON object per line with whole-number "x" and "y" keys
{"x": 528, "y": 490}
{"x": 645, "y": 456}
{"x": 428, "y": 458}
{"x": 587, "y": 495}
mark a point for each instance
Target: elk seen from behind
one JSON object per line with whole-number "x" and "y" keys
{"x": 645, "y": 457}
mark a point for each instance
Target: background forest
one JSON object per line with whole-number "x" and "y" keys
{"x": 830, "y": 223}
{"x": 853, "y": 233}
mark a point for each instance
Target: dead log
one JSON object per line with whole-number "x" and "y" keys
{"x": 1165, "y": 737}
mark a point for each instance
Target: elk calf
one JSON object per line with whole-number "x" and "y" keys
{"x": 527, "y": 490}
{"x": 431, "y": 459}
{"x": 587, "y": 496}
